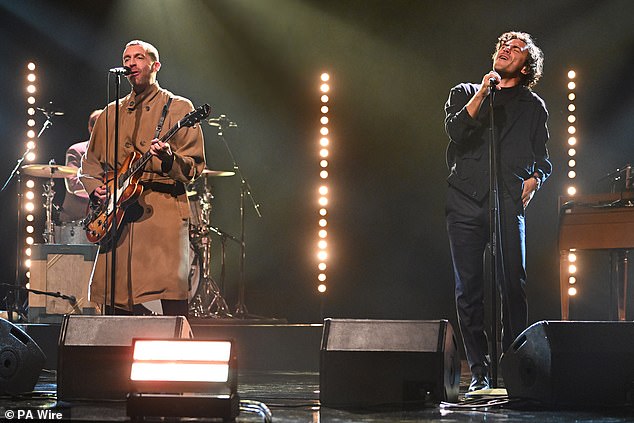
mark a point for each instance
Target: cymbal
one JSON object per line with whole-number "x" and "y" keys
{"x": 50, "y": 171}
{"x": 208, "y": 172}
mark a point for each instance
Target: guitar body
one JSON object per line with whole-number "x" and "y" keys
{"x": 100, "y": 220}
{"x": 101, "y": 216}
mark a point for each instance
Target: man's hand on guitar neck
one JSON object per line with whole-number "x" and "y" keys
{"x": 100, "y": 193}
{"x": 161, "y": 150}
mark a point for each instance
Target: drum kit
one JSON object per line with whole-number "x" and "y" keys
{"x": 205, "y": 298}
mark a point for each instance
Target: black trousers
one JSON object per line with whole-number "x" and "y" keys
{"x": 468, "y": 230}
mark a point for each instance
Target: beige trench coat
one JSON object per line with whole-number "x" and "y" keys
{"x": 152, "y": 260}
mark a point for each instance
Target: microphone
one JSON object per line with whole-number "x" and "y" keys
{"x": 493, "y": 82}
{"x": 121, "y": 70}
{"x": 222, "y": 121}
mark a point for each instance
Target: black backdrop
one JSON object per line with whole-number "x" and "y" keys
{"x": 392, "y": 65}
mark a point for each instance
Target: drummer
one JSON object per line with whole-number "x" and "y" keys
{"x": 76, "y": 199}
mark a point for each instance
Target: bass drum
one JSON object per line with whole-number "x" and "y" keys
{"x": 70, "y": 233}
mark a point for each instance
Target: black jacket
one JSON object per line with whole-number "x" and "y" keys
{"x": 522, "y": 135}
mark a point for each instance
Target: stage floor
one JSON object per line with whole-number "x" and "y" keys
{"x": 293, "y": 397}
{"x": 290, "y": 393}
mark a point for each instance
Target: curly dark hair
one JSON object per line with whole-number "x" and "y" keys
{"x": 534, "y": 61}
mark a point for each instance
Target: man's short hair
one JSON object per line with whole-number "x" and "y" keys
{"x": 149, "y": 48}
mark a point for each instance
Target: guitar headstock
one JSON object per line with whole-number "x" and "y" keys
{"x": 196, "y": 116}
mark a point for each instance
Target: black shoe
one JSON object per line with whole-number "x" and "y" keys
{"x": 479, "y": 381}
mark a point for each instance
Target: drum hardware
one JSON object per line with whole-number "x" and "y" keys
{"x": 223, "y": 123}
{"x": 207, "y": 300}
{"x": 50, "y": 171}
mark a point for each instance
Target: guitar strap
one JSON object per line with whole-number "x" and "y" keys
{"x": 162, "y": 119}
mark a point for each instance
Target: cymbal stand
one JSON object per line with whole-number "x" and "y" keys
{"x": 207, "y": 301}
{"x": 49, "y": 194}
{"x": 245, "y": 189}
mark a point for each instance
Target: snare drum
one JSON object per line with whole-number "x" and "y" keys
{"x": 70, "y": 233}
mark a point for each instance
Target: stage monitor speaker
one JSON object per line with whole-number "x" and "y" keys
{"x": 388, "y": 363}
{"x": 21, "y": 360}
{"x": 572, "y": 363}
{"x": 95, "y": 352}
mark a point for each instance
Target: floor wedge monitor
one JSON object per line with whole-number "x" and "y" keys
{"x": 572, "y": 363}
{"x": 95, "y": 352}
{"x": 388, "y": 363}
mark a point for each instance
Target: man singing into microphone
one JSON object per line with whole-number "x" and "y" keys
{"x": 521, "y": 134}
{"x": 153, "y": 244}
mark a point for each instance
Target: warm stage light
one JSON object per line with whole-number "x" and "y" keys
{"x": 324, "y": 120}
{"x": 572, "y": 74}
{"x": 572, "y": 268}
{"x": 324, "y": 98}
{"x": 572, "y": 280}
{"x": 322, "y": 255}
{"x": 571, "y": 108}
{"x": 30, "y": 145}
{"x": 323, "y": 152}
{"x": 30, "y": 100}
{"x": 323, "y": 223}
{"x": 323, "y": 212}
{"x": 571, "y": 85}
{"x": 572, "y": 141}
{"x": 321, "y": 288}
{"x": 323, "y": 141}
{"x": 322, "y": 245}
{"x": 323, "y": 233}
{"x": 322, "y": 266}
{"x": 571, "y": 96}
{"x": 572, "y": 174}
{"x": 29, "y": 206}
{"x": 324, "y": 88}
{"x": 323, "y": 201}
{"x": 572, "y": 119}
{"x": 323, "y": 131}
{"x": 324, "y": 109}
{"x": 325, "y": 77}
{"x": 30, "y": 89}
{"x": 572, "y": 163}
{"x": 321, "y": 277}
{"x": 572, "y": 291}
{"x": 572, "y": 130}
{"x": 183, "y": 378}
{"x": 323, "y": 163}
{"x": 323, "y": 190}
{"x": 31, "y": 66}
{"x": 30, "y": 133}
{"x": 572, "y": 152}
{"x": 30, "y": 157}
{"x": 571, "y": 191}
{"x": 30, "y": 77}
{"x": 323, "y": 174}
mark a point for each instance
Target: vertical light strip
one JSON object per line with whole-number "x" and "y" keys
{"x": 571, "y": 190}
{"x": 323, "y": 191}
{"x": 29, "y": 184}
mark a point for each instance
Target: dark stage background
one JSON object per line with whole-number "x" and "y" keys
{"x": 392, "y": 64}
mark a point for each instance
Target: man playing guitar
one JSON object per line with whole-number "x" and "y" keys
{"x": 152, "y": 241}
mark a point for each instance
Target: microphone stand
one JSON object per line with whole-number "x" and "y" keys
{"x": 115, "y": 192}
{"x": 15, "y": 173}
{"x": 494, "y": 218}
{"x": 245, "y": 189}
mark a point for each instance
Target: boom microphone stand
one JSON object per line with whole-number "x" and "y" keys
{"x": 245, "y": 189}
{"x": 15, "y": 173}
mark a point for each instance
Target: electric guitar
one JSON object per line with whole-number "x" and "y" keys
{"x": 101, "y": 215}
